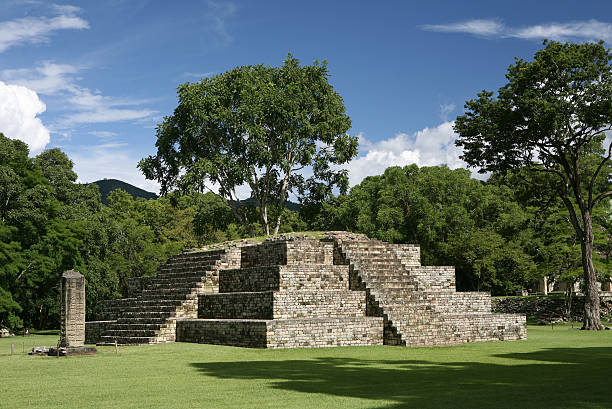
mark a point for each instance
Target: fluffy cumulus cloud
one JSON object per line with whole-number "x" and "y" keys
{"x": 579, "y": 30}
{"x": 87, "y": 106}
{"x": 29, "y": 30}
{"x": 19, "y": 107}
{"x": 427, "y": 147}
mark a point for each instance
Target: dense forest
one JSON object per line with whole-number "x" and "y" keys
{"x": 496, "y": 233}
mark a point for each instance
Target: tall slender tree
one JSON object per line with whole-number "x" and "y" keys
{"x": 551, "y": 118}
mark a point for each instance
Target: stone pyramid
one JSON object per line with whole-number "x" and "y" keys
{"x": 345, "y": 289}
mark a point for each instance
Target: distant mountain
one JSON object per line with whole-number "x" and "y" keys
{"x": 108, "y": 185}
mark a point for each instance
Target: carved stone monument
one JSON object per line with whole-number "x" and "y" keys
{"x": 72, "y": 331}
{"x": 72, "y": 326}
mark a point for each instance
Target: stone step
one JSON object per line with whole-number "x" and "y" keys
{"x": 169, "y": 292}
{"x": 136, "y": 326}
{"x": 146, "y": 314}
{"x": 180, "y": 277}
{"x": 142, "y": 320}
{"x": 196, "y": 256}
{"x": 179, "y": 286}
{"x": 195, "y": 261}
{"x": 185, "y": 268}
{"x": 150, "y": 308}
{"x": 131, "y": 332}
{"x": 153, "y": 303}
{"x": 110, "y": 341}
{"x": 167, "y": 299}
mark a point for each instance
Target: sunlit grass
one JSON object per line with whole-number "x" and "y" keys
{"x": 556, "y": 367}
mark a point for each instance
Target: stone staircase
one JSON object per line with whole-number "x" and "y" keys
{"x": 286, "y": 294}
{"x": 419, "y": 304}
{"x": 149, "y": 315}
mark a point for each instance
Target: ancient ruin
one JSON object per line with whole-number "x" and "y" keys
{"x": 72, "y": 309}
{"x": 343, "y": 289}
{"x": 72, "y": 314}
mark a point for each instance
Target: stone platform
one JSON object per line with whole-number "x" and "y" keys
{"x": 345, "y": 289}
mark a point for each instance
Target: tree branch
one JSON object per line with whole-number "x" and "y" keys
{"x": 592, "y": 182}
{"x": 573, "y": 217}
{"x": 23, "y": 272}
{"x": 601, "y": 197}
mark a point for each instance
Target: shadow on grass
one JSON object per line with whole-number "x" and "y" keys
{"x": 559, "y": 378}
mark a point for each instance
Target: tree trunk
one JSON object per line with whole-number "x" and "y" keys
{"x": 592, "y": 319}
{"x": 278, "y": 222}
{"x": 264, "y": 219}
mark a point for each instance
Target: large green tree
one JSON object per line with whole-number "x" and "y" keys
{"x": 276, "y": 130}
{"x": 550, "y": 118}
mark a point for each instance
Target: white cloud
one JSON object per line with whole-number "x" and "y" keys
{"x": 104, "y": 114}
{"x": 103, "y": 134}
{"x": 198, "y": 76}
{"x": 37, "y": 29}
{"x": 19, "y": 107}
{"x": 581, "y": 30}
{"x": 589, "y": 30}
{"x": 427, "y": 147}
{"x": 89, "y": 107}
{"x": 478, "y": 27}
{"x": 218, "y": 13}
{"x": 110, "y": 161}
{"x": 48, "y": 78}
{"x": 446, "y": 109}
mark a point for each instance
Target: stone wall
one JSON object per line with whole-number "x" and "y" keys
{"x": 287, "y": 277}
{"x": 547, "y": 308}
{"x": 302, "y": 333}
{"x": 269, "y": 305}
{"x": 287, "y": 253}
{"x": 433, "y": 278}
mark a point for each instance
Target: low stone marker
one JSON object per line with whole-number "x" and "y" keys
{"x": 72, "y": 326}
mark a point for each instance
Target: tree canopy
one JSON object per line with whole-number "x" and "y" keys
{"x": 277, "y": 130}
{"x": 550, "y": 120}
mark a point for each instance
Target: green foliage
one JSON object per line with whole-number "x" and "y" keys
{"x": 456, "y": 220}
{"x": 259, "y": 126}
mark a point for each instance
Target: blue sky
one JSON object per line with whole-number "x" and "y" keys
{"x": 94, "y": 78}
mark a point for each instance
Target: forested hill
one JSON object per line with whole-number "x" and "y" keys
{"x": 108, "y": 185}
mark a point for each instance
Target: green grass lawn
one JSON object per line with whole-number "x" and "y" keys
{"x": 554, "y": 368}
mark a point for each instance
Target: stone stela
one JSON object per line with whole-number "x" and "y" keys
{"x": 72, "y": 331}
{"x": 72, "y": 326}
